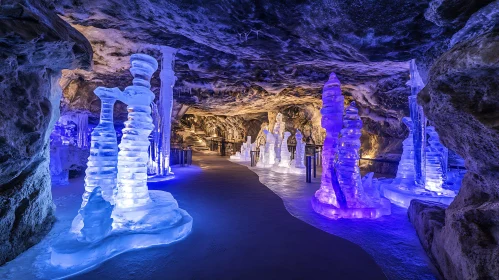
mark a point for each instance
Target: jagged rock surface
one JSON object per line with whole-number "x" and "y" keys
{"x": 35, "y": 45}
{"x": 462, "y": 100}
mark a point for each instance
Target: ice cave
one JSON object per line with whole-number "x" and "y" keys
{"x": 174, "y": 139}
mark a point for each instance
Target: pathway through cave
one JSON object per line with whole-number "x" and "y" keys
{"x": 241, "y": 231}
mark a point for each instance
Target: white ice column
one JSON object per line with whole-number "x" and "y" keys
{"x": 285, "y": 154}
{"x": 133, "y": 154}
{"x": 300, "y": 150}
{"x": 102, "y": 162}
{"x": 165, "y": 109}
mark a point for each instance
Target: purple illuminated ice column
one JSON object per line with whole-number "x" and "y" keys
{"x": 332, "y": 117}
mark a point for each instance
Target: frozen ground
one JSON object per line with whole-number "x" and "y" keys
{"x": 390, "y": 240}
{"x": 241, "y": 231}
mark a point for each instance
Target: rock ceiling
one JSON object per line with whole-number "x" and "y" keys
{"x": 240, "y": 57}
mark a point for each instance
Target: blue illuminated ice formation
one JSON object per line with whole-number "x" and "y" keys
{"x": 133, "y": 155}
{"x": 139, "y": 218}
{"x": 102, "y": 162}
{"x": 332, "y": 114}
{"x": 343, "y": 193}
{"x": 423, "y": 172}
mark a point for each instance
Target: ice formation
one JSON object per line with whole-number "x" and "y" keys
{"x": 285, "y": 154}
{"x": 245, "y": 153}
{"x": 82, "y": 126}
{"x": 246, "y": 156}
{"x": 96, "y": 217}
{"x": 58, "y": 156}
{"x": 278, "y": 134}
{"x": 269, "y": 156}
{"x": 299, "y": 161}
{"x": 332, "y": 114}
{"x": 261, "y": 156}
{"x": 139, "y": 218}
{"x": 102, "y": 162}
{"x": 423, "y": 171}
{"x": 160, "y": 149}
{"x": 343, "y": 193}
{"x": 419, "y": 122}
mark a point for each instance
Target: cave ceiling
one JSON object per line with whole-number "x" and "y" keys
{"x": 243, "y": 57}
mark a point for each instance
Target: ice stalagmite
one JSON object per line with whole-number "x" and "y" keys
{"x": 278, "y": 134}
{"x": 419, "y": 122}
{"x": 427, "y": 178}
{"x": 300, "y": 151}
{"x": 343, "y": 193}
{"x": 134, "y": 146}
{"x": 332, "y": 114}
{"x": 165, "y": 108}
{"x": 348, "y": 171}
{"x": 285, "y": 154}
{"x": 270, "y": 156}
{"x": 102, "y": 163}
{"x": 139, "y": 218}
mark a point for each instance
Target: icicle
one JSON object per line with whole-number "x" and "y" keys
{"x": 82, "y": 123}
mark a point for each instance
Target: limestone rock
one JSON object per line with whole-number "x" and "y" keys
{"x": 35, "y": 45}
{"x": 464, "y": 84}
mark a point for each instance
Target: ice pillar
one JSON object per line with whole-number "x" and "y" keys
{"x": 165, "y": 110}
{"x": 419, "y": 122}
{"x": 332, "y": 115}
{"x": 133, "y": 154}
{"x": 347, "y": 167}
{"x": 278, "y": 131}
{"x": 102, "y": 162}
{"x": 300, "y": 150}
{"x": 405, "y": 171}
{"x": 285, "y": 154}
{"x": 82, "y": 126}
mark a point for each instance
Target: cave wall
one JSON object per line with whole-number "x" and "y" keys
{"x": 462, "y": 101}
{"x": 35, "y": 45}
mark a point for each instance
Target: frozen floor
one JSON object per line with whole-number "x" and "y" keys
{"x": 390, "y": 240}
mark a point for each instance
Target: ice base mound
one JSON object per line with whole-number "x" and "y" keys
{"x": 332, "y": 212}
{"x": 73, "y": 256}
{"x": 403, "y": 196}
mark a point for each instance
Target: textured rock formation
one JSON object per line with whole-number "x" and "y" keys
{"x": 462, "y": 101}
{"x": 253, "y": 57}
{"x": 35, "y": 45}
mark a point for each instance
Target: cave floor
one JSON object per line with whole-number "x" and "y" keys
{"x": 241, "y": 230}
{"x": 244, "y": 229}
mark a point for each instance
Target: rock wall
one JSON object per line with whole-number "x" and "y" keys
{"x": 35, "y": 45}
{"x": 462, "y": 101}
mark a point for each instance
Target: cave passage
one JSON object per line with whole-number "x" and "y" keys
{"x": 242, "y": 231}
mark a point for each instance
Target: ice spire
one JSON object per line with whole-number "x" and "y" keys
{"x": 332, "y": 114}
{"x": 102, "y": 162}
{"x": 348, "y": 171}
{"x": 165, "y": 108}
{"x": 419, "y": 122}
{"x": 133, "y": 154}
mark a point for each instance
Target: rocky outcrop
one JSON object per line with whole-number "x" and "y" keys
{"x": 462, "y": 101}
{"x": 35, "y": 45}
